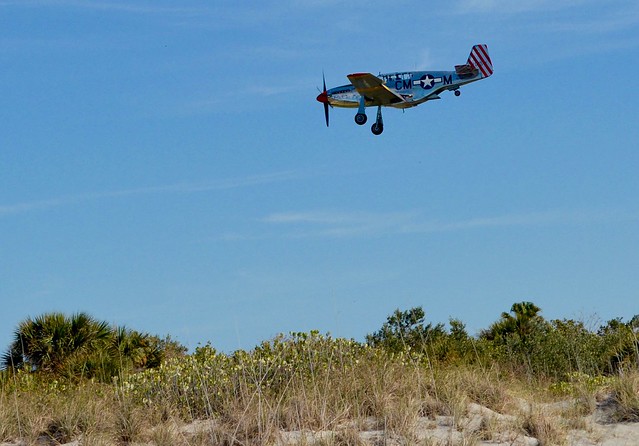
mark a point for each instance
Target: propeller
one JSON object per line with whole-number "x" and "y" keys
{"x": 323, "y": 98}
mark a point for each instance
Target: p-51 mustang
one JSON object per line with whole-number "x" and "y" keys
{"x": 403, "y": 89}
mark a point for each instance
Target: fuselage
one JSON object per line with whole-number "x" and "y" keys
{"x": 416, "y": 87}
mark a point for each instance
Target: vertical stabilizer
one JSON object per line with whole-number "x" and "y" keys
{"x": 480, "y": 60}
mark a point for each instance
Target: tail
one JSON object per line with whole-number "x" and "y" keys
{"x": 480, "y": 60}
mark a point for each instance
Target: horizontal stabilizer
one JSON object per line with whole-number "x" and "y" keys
{"x": 466, "y": 70}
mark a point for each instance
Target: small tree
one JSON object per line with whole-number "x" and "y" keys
{"x": 405, "y": 329}
{"x": 517, "y": 338}
{"x": 620, "y": 342}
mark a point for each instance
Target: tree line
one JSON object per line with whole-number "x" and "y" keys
{"x": 521, "y": 341}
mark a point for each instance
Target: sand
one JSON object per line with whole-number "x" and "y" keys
{"x": 541, "y": 425}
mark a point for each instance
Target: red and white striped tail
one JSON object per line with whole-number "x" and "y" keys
{"x": 480, "y": 60}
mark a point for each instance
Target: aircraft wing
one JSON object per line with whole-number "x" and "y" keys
{"x": 373, "y": 88}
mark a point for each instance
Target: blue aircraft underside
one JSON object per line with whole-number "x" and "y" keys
{"x": 415, "y": 87}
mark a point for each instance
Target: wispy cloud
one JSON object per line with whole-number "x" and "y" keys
{"x": 184, "y": 188}
{"x": 283, "y": 87}
{"x": 520, "y": 6}
{"x": 425, "y": 60}
{"x": 138, "y": 7}
{"x": 618, "y": 20}
{"x": 336, "y": 224}
{"x": 233, "y": 101}
{"x": 20, "y": 208}
{"x": 361, "y": 224}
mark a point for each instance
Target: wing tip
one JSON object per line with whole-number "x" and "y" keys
{"x": 356, "y": 75}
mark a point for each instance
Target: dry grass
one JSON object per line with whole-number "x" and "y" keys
{"x": 625, "y": 392}
{"x": 40, "y": 413}
{"x": 546, "y": 428}
{"x": 343, "y": 395}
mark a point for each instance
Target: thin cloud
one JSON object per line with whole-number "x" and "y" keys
{"x": 276, "y": 89}
{"x": 338, "y": 225}
{"x": 184, "y": 188}
{"x": 40, "y": 205}
{"x": 139, "y": 8}
{"x": 227, "y": 101}
{"x": 510, "y": 7}
{"x": 614, "y": 23}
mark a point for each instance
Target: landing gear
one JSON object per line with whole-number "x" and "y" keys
{"x": 360, "y": 119}
{"x": 378, "y": 127}
{"x": 457, "y": 92}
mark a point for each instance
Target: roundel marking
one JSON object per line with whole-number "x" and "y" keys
{"x": 427, "y": 81}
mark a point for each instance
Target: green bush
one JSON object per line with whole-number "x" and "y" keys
{"x": 79, "y": 346}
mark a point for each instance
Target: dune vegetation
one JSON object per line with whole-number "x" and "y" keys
{"x": 523, "y": 379}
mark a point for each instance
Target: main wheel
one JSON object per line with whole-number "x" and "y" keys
{"x": 457, "y": 92}
{"x": 360, "y": 119}
{"x": 377, "y": 129}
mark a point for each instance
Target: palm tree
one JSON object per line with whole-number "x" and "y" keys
{"x": 81, "y": 346}
{"x": 50, "y": 342}
{"x": 525, "y": 320}
{"x": 140, "y": 350}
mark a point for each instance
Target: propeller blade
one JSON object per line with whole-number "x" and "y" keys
{"x": 323, "y": 98}
{"x": 325, "y": 103}
{"x": 326, "y": 112}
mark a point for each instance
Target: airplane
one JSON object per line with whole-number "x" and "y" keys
{"x": 403, "y": 89}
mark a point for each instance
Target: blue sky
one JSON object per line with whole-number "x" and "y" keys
{"x": 165, "y": 166}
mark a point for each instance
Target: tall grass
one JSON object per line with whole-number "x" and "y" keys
{"x": 304, "y": 382}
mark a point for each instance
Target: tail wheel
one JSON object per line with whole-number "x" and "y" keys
{"x": 360, "y": 119}
{"x": 377, "y": 129}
